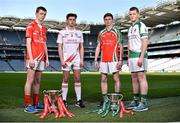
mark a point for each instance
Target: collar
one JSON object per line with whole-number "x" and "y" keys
{"x": 70, "y": 29}
{"x": 110, "y": 29}
{"x": 39, "y": 25}
{"x": 137, "y": 22}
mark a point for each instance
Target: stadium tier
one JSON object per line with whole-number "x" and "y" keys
{"x": 165, "y": 34}
{"x": 164, "y": 50}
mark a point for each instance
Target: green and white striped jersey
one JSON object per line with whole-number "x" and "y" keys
{"x": 136, "y": 33}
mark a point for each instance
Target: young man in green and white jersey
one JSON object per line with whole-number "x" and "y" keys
{"x": 137, "y": 60}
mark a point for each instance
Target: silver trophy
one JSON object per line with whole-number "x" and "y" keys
{"x": 115, "y": 100}
{"x": 53, "y": 94}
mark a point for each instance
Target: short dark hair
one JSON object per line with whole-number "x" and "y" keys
{"x": 41, "y": 8}
{"x": 108, "y": 15}
{"x": 71, "y": 15}
{"x": 134, "y": 8}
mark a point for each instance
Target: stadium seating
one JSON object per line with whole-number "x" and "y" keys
{"x": 4, "y": 66}
{"x": 165, "y": 34}
{"x": 10, "y": 37}
{"x": 55, "y": 65}
{"x": 51, "y": 39}
{"x": 12, "y": 46}
{"x": 18, "y": 65}
{"x": 89, "y": 66}
{"x": 164, "y": 65}
{"x": 21, "y": 35}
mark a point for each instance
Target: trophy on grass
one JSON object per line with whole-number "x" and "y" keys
{"x": 53, "y": 94}
{"x": 113, "y": 102}
{"x": 51, "y": 98}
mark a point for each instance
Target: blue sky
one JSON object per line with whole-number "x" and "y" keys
{"x": 87, "y": 10}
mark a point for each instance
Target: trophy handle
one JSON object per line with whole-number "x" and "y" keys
{"x": 115, "y": 94}
{"x": 45, "y": 92}
{"x": 60, "y": 92}
{"x": 121, "y": 96}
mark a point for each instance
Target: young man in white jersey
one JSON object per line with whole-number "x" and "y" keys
{"x": 71, "y": 53}
{"x": 137, "y": 60}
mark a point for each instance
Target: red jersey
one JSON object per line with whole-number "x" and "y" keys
{"x": 38, "y": 40}
{"x": 109, "y": 41}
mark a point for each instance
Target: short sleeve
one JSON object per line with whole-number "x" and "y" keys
{"x": 60, "y": 39}
{"x": 143, "y": 31}
{"x": 81, "y": 37}
{"x": 29, "y": 31}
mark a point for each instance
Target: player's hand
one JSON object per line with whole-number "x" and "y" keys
{"x": 31, "y": 63}
{"x": 64, "y": 65}
{"x": 140, "y": 61}
{"x": 96, "y": 65}
{"x": 81, "y": 63}
{"x": 47, "y": 63}
{"x": 119, "y": 65}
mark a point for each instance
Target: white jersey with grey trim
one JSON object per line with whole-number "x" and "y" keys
{"x": 70, "y": 39}
{"x": 136, "y": 33}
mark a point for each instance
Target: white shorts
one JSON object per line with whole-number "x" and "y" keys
{"x": 39, "y": 65}
{"x": 133, "y": 65}
{"x": 72, "y": 66}
{"x": 108, "y": 67}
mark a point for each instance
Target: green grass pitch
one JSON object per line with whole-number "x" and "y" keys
{"x": 164, "y": 97}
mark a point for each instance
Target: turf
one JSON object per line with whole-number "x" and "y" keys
{"x": 164, "y": 96}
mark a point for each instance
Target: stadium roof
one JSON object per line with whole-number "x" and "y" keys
{"x": 162, "y": 14}
{"x": 13, "y": 22}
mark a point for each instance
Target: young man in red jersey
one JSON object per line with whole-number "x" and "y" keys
{"x": 109, "y": 42}
{"x": 36, "y": 59}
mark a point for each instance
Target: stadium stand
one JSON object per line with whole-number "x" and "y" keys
{"x": 51, "y": 39}
{"x": 165, "y": 34}
{"x": 12, "y": 50}
{"x": 165, "y": 65}
{"x": 55, "y": 65}
{"x": 163, "y": 49}
{"x": 10, "y": 37}
{"x": 21, "y": 36}
{"x": 18, "y": 65}
{"x": 4, "y": 66}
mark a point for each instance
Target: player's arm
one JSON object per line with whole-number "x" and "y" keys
{"x": 60, "y": 51}
{"x": 29, "y": 51}
{"x": 120, "y": 62}
{"x": 97, "y": 55}
{"x": 46, "y": 55}
{"x": 97, "y": 52}
{"x": 98, "y": 48}
{"x": 81, "y": 49}
{"x": 144, "y": 47}
{"x": 144, "y": 39}
{"x": 128, "y": 55}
